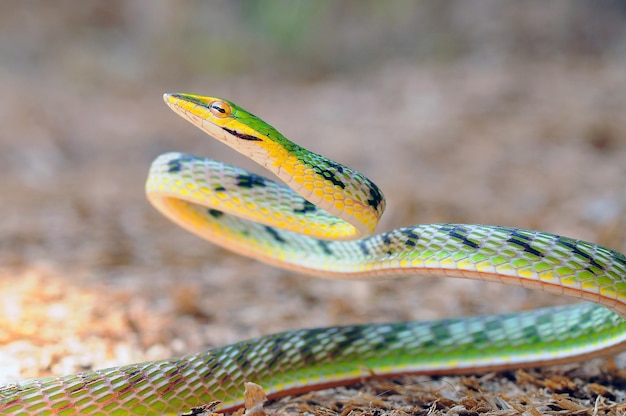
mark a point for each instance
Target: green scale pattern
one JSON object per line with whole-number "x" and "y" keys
{"x": 450, "y": 249}
{"x": 291, "y": 359}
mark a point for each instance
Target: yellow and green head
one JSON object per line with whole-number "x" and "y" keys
{"x": 232, "y": 125}
{"x": 323, "y": 182}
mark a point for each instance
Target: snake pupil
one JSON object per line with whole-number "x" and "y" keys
{"x": 220, "y": 109}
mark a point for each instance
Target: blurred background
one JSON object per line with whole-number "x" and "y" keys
{"x": 508, "y": 113}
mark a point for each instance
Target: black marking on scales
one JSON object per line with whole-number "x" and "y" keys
{"x": 277, "y": 355}
{"x": 271, "y": 231}
{"x": 175, "y": 165}
{"x": 376, "y": 196}
{"x": 411, "y": 237}
{"x": 330, "y": 172}
{"x": 306, "y": 207}
{"x": 460, "y": 233}
{"x": 619, "y": 257}
{"x": 571, "y": 244}
{"x": 325, "y": 247}
{"x": 523, "y": 241}
{"x": 250, "y": 180}
{"x": 387, "y": 241}
{"x": 211, "y": 363}
{"x": 244, "y": 353}
{"x": 363, "y": 246}
{"x": 215, "y": 213}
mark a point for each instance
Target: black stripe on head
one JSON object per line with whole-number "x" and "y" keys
{"x": 242, "y": 136}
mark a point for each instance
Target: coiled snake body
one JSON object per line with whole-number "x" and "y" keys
{"x": 304, "y": 227}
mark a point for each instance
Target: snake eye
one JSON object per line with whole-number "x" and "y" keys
{"x": 220, "y": 109}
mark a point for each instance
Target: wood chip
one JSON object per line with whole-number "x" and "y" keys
{"x": 254, "y": 397}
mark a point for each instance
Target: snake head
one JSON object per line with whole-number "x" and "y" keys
{"x": 317, "y": 179}
{"x": 230, "y": 124}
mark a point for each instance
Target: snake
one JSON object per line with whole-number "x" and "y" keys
{"x": 320, "y": 220}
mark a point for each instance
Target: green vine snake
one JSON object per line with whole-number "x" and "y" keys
{"x": 307, "y": 226}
